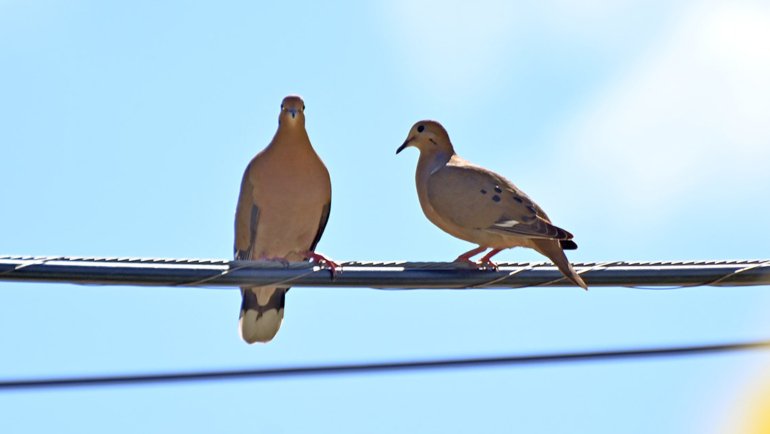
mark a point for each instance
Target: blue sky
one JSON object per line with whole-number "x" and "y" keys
{"x": 639, "y": 126}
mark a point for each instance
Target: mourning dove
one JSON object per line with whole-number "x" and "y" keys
{"x": 480, "y": 206}
{"x": 282, "y": 211}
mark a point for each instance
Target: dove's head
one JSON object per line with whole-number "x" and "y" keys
{"x": 292, "y": 111}
{"x": 429, "y": 137}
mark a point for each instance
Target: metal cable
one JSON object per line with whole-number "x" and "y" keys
{"x": 378, "y": 367}
{"x": 380, "y": 275}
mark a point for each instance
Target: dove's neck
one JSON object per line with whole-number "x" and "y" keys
{"x": 293, "y": 136}
{"x": 428, "y": 164}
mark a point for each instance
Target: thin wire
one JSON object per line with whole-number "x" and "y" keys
{"x": 380, "y": 367}
{"x": 501, "y": 278}
{"x": 223, "y": 273}
{"x": 712, "y": 282}
{"x": 232, "y": 269}
{"x": 736, "y": 272}
{"x": 598, "y": 266}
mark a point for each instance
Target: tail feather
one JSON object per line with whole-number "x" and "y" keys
{"x": 261, "y": 313}
{"x": 553, "y": 250}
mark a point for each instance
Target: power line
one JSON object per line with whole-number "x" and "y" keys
{"x": 381, "y": 275}
{"x": 381, "y": 367}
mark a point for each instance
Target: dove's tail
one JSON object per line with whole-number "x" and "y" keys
{"x": 553, "y": 250}
{"x": 261, "y": 313}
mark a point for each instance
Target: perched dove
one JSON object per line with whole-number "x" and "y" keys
{"x": 282, "y": 211}
{"x": 480, "y": 206}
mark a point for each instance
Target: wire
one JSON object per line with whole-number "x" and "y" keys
{"x": 380, "y": 367}
{"x": 380, "y": 275}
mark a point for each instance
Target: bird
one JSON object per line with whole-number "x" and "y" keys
{"x": 480, "y": 206}
{"x": 282, "y": 211}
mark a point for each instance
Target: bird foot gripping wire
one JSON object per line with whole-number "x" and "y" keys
{"x": 486, "y": 261}
{"x": 487, "y": 264}
{"x": 322, "y": 260}
{"x": 465, "y": 260}
{"x": 473, "y": 265}
{"x": 466, "y": 263}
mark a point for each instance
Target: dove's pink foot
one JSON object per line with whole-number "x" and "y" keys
{"x": 323, "y": 260}
{"x": 466, "y": 257}
{"x": 487, "y": 259}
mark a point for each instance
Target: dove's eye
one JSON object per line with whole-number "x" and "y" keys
{"x": 421, "y": 128}
{"x": 303, "y": 107}
{"x": 281, "y": 106}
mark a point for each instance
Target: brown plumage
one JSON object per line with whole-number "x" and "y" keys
{"x": 281, "y": 214}
{"x": 480, "y": 206}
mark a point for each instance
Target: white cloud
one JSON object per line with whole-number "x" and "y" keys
{"x": 693, "y": 114}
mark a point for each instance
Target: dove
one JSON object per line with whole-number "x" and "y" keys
{"x": 282, "y": 211}
{"x": 479, "y": 206}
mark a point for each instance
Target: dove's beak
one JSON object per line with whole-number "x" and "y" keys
{"x": 293, "y": 112}
{"x": 406, "y": 143}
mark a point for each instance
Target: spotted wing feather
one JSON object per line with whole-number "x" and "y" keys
{"x": 473, "y": 197}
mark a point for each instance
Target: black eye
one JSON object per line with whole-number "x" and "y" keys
{"x": 303, "y": 107}
{"x": 421, "y": 128}
{"x": 281, "y": 106}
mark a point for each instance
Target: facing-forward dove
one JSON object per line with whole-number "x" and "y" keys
{"x": 281, "y": 214}
{"x": 480, "y": 206}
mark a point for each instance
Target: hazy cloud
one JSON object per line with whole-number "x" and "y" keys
{"x": 693, "y": 114}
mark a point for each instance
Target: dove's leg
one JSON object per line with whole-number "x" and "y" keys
{"x": 466, "y": 257}
{"x": 487, "y": 259}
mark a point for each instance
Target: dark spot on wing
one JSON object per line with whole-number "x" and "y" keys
{"x": 518, "y": 199}
{"x": 568, "y": 244}
{"x": 532, "y": 209}
{"x": 483, "y": 191}
{"x": 498, "y": 189}
{"x": 496, "y": 198}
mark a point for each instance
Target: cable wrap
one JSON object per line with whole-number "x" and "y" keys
{"x": 378, "y": 275}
